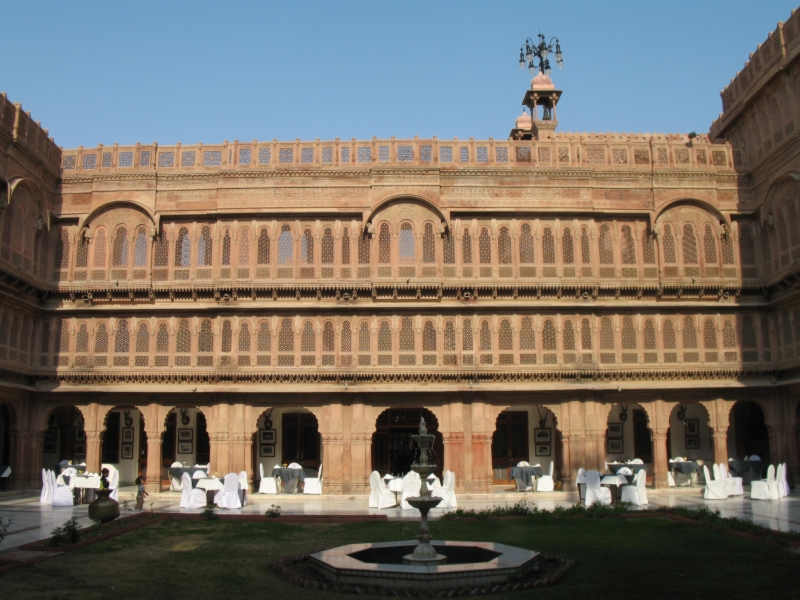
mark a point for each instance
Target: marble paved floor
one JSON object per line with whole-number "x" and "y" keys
{"x": 33, "y": 521}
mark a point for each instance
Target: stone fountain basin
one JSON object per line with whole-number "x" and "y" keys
{"x": 381, "y": 564}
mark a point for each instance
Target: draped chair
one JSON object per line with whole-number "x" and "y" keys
{"x": 636, "y": 494}
{"x": 594, "y": 491}
{"x": 714, "y": 490}
{"x": 191, "y": 498}
{"x": 733, "y": 485}
{"x": 765, "y": 489}
{"x": 228, "y": 496}
{"x": 113, "y": 485}
{"x": 313, "y": 485}
{"x": 545, "y": 482}
{"x": 379, "y": 495}
{"x": 412, "y": 484}
{"x": 267, "y": 484}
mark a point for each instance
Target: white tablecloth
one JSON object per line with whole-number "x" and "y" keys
{"x": 209, "y": 484}
{"x": 395, "y": 485}
{"x": 617, "y": 480}
{"x": 91, "y": 482}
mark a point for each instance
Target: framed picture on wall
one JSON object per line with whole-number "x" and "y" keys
{"x": 184, "y": 447}
{"x": 80, "y": 450}
{"x": 185, "y": 435}
{"x": 615, "y": 430}
{"x": 692, "y": 427}
{"x": 49, "y": 447}
{"x": 615, "y": 446}
{"x": 267, "y": 451}
{"x": 692, "y": 443}
{"x": 80, "y": 435}
{"x": 267, "y": 436}
{"x": 542, "y": 449}
{"x": 543, "y": 435}
{"x": 127, "y": 435}
{"x": 127, "y": 451}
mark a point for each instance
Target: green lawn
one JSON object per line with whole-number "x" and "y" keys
{"x": 616, "y": 558}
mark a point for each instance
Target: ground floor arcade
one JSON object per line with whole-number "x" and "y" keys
{"x": 479, "y": 436}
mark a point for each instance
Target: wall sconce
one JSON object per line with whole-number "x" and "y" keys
{"x": 128, "y": 420}
{"x": 184, "y": 416}
{"x": 623, "y": 414}
{"x": 681, "y": 414}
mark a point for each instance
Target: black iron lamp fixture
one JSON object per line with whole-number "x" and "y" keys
{"x": 681, "y": 414}
{"x": 185, "y": 416}
{"x": 623, "y": 413}
{"x": 530, "y": 50}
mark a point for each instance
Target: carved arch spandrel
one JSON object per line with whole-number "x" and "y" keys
{"x": 129, "y": 214}
{"x": 719, "y": 413}
{"x": 413, "y": 209}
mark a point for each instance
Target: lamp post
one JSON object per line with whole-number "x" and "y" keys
{"x": 530, "y": 50}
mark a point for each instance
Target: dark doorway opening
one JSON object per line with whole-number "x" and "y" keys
{"x": 642, "y": 440}
{"x": 510, "y": 443}
{"x": 393, "y": 449}
{"x": 301, "y": 440}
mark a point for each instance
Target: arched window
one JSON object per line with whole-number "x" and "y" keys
{"x": 766, "y": 251}
{"x": 429, "y": 337}
{"x": 244, "y": 247}
{"x": 162, "y": 339}
{"x": 205, "y": 340}
{"x": 606, "y": 334}
{"x": 82, "y": 339}
{"x": 264, "y": 338}
{"x": 285, "y": 246}
{"x": 407, "y": 341}
{"x": 142, "y": 339}
{"x": 505, "y": 336}
{"x": 100, "y": 249}
{"x": 119, "y": 255}
{"x": 467, "y": 337}
{"x": 567, "y": 249}
{"x": 264, "y": 246}
{"x": 204, "y": 247}
{"x": 347, "y": 338}
{"x": 748, "y": 333}
{"x": 549, "y": 336}
{"x": 586, "y": 335}
{"x": 346, "y": 246}
{"x": 45, "y": 343}
{"x": 428, "y": 245}
{"x": 364, "y": 342}
{"x": 747, "y": 247}
{"x": 649, "y": 335}
{"x": 606, "y": 246}
{"x": 286, "y": 336}
{"x": 307, "y": 248}
{"x": 689, "y": 245}
{"x": 406, "y": 244}
{"x": 526, "y": 245}
{"x": 183, "y": 248}
{"x": 161, "y": 258}
{"x": 728, "y": 335}
{"x": 384, "y": 245}
{"x": 710, "y": 245}
{"x": 548, "y": 247}
{"x": 82, "y": 253}
{"x": 244, "y": 338}
{"x": 709, "y": 334}
{"x": 449, "y": 248}
{"x": 226, "y": 248}
{"x": 648, "y": 248}
{"x": 8, "y": 223}
{"x": 24, "y": 336}
{"x": 504, "y": 247}
{"x": 628, "y": 333}
{"x": 449, "y": 337}
{"x": 227, "y": 337}
{"x": 466, "y": 247}
{"x": 669, "y": 246}
{"x": 568, "y": 336}
{"x": 586, "y": 253}
{"x": 101, "y": 339}
{"x": 527, "y": 335}
{"x": 689, "y": 333}
{"x": 486, "y": 337}
{"x": 140, "y": 248}
{"x": 669, "y": 336}
{"x": 628, "y": 254}
{"x": 727, "y": 250}
{"x": 183, "y": 343}
{"x": 62, "y": 250}
{"x": 327, "y": 247}
{"x": 308, "y": 338}
{"x": 328, "y": 337}
{"x": 384, "y": 337}
{"x": 122, "y": 341}
{"x": 485, "y": 246}
{"x": 364, "y": 243}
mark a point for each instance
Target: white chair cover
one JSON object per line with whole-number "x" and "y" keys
{"x": 450, "y": 484}
{"x": 113, "y": 485}
{"x": 733, "y": 485}
{"x": 636, "y": 494}
{"x": 197, "y": 499}
{"x": 545, "y": 483}
{"x": 294, "y": 466}
{"x": 440, "y": 491}
{"x": 176, "y": 464}
{"x": 714, "y": 490}
{"x": 45, "y": 487}
{"x": 715, "y": 468}
{"x": 412, "y": 483}
{"x": 313, "y": 485}
{"x": 175, "y": 484}
{"x": 755, "y": 457}
{"x": 780, "y": 475}
{"x": 51, "y": 490}
{"x": 594, "y": 491}
{"x": 70, "y": 471}
{"x": 267, "y": 485}
{"x": 379, "y": 495}
{"x": 783, "y": 484}
{"x": 765, "y": 489}
{"x": 670, "y": 479}
{"x": 198, "y": 475}
{"x": 624, "y": 471}
{"x": 228, "y": 496}
{"x": 62, "y": 495}
{"x": 186, "y": 490}
{"x": 580, "y": 481}
{"x": 243, "y": 487}
{"x": 637, "y": 461}
{"x": 523, "y": 463}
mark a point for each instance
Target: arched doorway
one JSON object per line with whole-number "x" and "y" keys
{"x": 124, "y": 443}
{"x": 525, "y": 433}
{"x": 747, "y": 432}
{"x": 628, "y": 434}
{"x": 64, "y": 437}
{"x": 393, "y": 450}
{"x": 690, "y": 434}
{"x": 184, "y": 440}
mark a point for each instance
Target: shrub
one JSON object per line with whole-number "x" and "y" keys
{"x": 68, "y": 533}
{"x": 4, "y": 525}
{"x": 525, "y": 508}
{"x": 273, "y": 512}
{"x": 209, "y": 514}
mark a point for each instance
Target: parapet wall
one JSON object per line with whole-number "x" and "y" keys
{"x": 18, "y": 127}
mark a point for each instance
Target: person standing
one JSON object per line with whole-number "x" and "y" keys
{"x": 140, "y": 493}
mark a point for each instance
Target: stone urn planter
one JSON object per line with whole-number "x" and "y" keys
{"x": 103, "y": 509}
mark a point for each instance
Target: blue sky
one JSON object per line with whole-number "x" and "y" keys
{"x": 105, "y": 72}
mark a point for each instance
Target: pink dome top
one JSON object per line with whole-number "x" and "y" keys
{"x": 524, "y": 121}
{"x": 542, "y": 82}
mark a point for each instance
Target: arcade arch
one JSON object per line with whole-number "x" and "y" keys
{"x": 64, "y": 436}
{"x": 393, "y": 450}
{"x": 747, "y": 431}
{"x": 124, "y": 443}
{"x": 628, "y": 434}
{"x": 185, "y": 439}
{"x": 525, "y": 433}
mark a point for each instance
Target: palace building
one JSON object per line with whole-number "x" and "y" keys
{"x": 551, "y": 297}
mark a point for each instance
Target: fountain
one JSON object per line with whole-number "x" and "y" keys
{"x": 428, "y": 565}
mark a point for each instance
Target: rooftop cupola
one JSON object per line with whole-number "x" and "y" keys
{"x": 542, "y": 93}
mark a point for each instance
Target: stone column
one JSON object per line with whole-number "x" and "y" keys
{"x": 27, "y": 471}
{"x": 153, "y": 472}
{"x": 482, "y": 476}
{"x": 219, "y": 451}
{"x": 332, "y": 462}
{"x": 567, "y": 473}
{"x": 94, "y": 449}
{"x": 360, "y": 462}
{"x": 454, "y": 456}
{"x": 660, "y": 458}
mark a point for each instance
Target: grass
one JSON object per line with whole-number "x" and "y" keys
{"x": 616, "y": 558}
